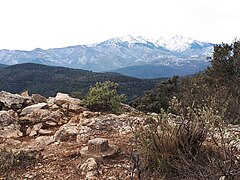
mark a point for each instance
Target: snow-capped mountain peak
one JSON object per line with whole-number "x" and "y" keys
{"x": 130, "y": 40}
{"x": 176, "y": 43}
{"x": 180, "y": 44}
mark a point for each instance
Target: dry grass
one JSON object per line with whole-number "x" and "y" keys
{"x": 179, "y": 150}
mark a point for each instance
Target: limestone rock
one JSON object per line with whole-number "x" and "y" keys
{"x": 125, "y": 130}
{"x": 68, "y": 103}
{"x": 62, "y": 98}
{"x": 13, "y": 142}
{"x": 83, "y": 134}
{"x": 45, "y": 132}
{"x": 89, "y": 114}
{"x": 51, "y": 123}
{"x": 39, "y": 143}
{"x": 37, "y": 98}
{"x": 67, "y": 132}
{"x": 36, "y": 116}
{"x": 34, "y": 131}
{"x": 45, "y": 115}
{"x": 90, "y": 168}
{"x": 25, "y": 94}
{"x": 9, "y": 126}
{"x": 12, "y": 101}
{"x": 33, "y": 107}
{"x": 99, "y": 147}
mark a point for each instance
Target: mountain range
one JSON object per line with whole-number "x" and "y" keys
{"x": 133, "y": 56}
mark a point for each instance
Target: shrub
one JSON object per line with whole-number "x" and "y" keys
{"x": 104, "y": 97}
{"x": 176, "y": 147}
{"x": 158, "y": 98}
{"x": 202, "y": 90}
{"x": 77, "y": 94}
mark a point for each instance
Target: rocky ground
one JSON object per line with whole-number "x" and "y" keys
{"x": 66, "y": 140}
{"x": 57, "y": 129}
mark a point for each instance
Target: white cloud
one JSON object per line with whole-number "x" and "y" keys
{"x": 29, "y": 24}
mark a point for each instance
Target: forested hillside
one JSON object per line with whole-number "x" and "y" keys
{"x": 48, "y": 80}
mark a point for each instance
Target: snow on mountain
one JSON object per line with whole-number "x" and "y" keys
{"x": 128, "y": 41}
{"x": 179, "y": 43}
{"x": 117, "y": 53}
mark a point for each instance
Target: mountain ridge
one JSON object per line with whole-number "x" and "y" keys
{"x": 119, "y": 52}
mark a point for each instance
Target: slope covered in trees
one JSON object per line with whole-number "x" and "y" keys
{"x": 48, "y": 80}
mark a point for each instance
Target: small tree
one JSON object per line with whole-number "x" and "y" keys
{"x": 226, "y": 62}
{"x": 104, "y": 97}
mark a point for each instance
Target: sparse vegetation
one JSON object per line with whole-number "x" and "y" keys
{"x": 191, "y": 146}
{"x": 11, "y": 160}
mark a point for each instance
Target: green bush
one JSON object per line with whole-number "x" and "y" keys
{"x": 158, "y": 98}
{"x": 104, "y": 97}
{"x": 77, "y": 94}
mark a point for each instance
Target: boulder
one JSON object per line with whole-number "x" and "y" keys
{"x": 45, "y": 115}
{"x": 98, "y": 145}
{"x": 67, "y": 102}
{"x": 25, "y": 94}
{"x": 62, "y": 98}
{"x": 34, "y": 131}
{"x": 13, "y": 142}
{"x": 35, "y": 116}
{"x": 38, "y": 144}
{"x": 89, "y": 168}
{"x": 44, "y": 132}
{"x": 67, "y": 132}
{"x": 12, "y": 101}
{"x": 9, "y": 126}
{"x": 99, "y": 148}
{"x": 84, "y": 134}
{"x": 33, "y": 107}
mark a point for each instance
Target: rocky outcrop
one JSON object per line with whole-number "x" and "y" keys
{"x": 13, "y": 101}
{"x": 9, "y": 126}
{"x": 31, "y": 108}
{"x": 68, "y": 103}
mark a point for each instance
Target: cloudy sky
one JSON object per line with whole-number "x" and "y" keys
{"x": 29, "y": 24}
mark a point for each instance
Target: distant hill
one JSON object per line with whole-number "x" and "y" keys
{"x": 2, "y": 65}
{"x": 120, "y": 52}
{"x": 48, "y": 80}
{"x": 149, "y": 71}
